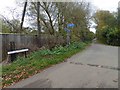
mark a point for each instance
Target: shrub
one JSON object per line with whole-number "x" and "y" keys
{"x": 110, "y": 36}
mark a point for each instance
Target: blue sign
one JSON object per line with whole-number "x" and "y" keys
{"x": 70, "y": 25}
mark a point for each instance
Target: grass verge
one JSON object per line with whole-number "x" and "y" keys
{"x": 23, "y": 68}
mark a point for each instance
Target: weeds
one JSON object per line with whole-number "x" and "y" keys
{"x": 35, "y": 62}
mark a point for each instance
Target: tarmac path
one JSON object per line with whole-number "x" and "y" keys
{"x": 95, "y": 67}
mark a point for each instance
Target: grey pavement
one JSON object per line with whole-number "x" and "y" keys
{"x": 87, "y": 69}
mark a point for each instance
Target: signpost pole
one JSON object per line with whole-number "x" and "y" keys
{"x": 71, "y": 25}
{"x": 68, "y": 38}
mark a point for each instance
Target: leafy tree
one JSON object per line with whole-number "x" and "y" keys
{"x": 118, "y": 18}
{"x": 104, "y": 18}
{"x": 113, "y": 37}
{"x": 107, "y": 27}
{"x": 55, "y": 16}
{"x": 4, "y": 26}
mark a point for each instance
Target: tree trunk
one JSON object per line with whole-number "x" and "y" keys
{"x": 38, "y": 23}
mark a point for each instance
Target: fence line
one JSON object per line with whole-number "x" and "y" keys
{"x": 28, "y": 41}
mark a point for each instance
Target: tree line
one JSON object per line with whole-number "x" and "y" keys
{"x": 53, "y": 18}
{"x": 108, "y": 27}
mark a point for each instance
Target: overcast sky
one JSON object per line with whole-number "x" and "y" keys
{"x": 101, "y": 4}
{"x": 110, "y": 5}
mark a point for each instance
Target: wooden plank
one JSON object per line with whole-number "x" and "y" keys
{"x": 17, "y": 51}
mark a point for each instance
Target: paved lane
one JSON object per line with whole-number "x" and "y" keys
{"x": 95, "y": 67}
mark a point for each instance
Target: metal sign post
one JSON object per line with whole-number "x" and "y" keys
{"x": 68, "y": 32}
{"x": 68, "y": 36}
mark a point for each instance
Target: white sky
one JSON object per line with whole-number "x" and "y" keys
{"x": 111, "y": 5}
{"x": 4, "y": 4}
{"x": 101, "y": 4}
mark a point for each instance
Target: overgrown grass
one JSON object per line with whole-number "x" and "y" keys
{"x": 37, "y": 61}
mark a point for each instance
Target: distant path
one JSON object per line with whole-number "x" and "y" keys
{"x": 95, "y": 67}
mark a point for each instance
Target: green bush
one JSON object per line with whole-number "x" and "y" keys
{"x": 110, "y": 36}
{"x": 113, "y": 37}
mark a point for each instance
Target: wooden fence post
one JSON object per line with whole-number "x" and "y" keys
{"x": 12, "y": 57}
